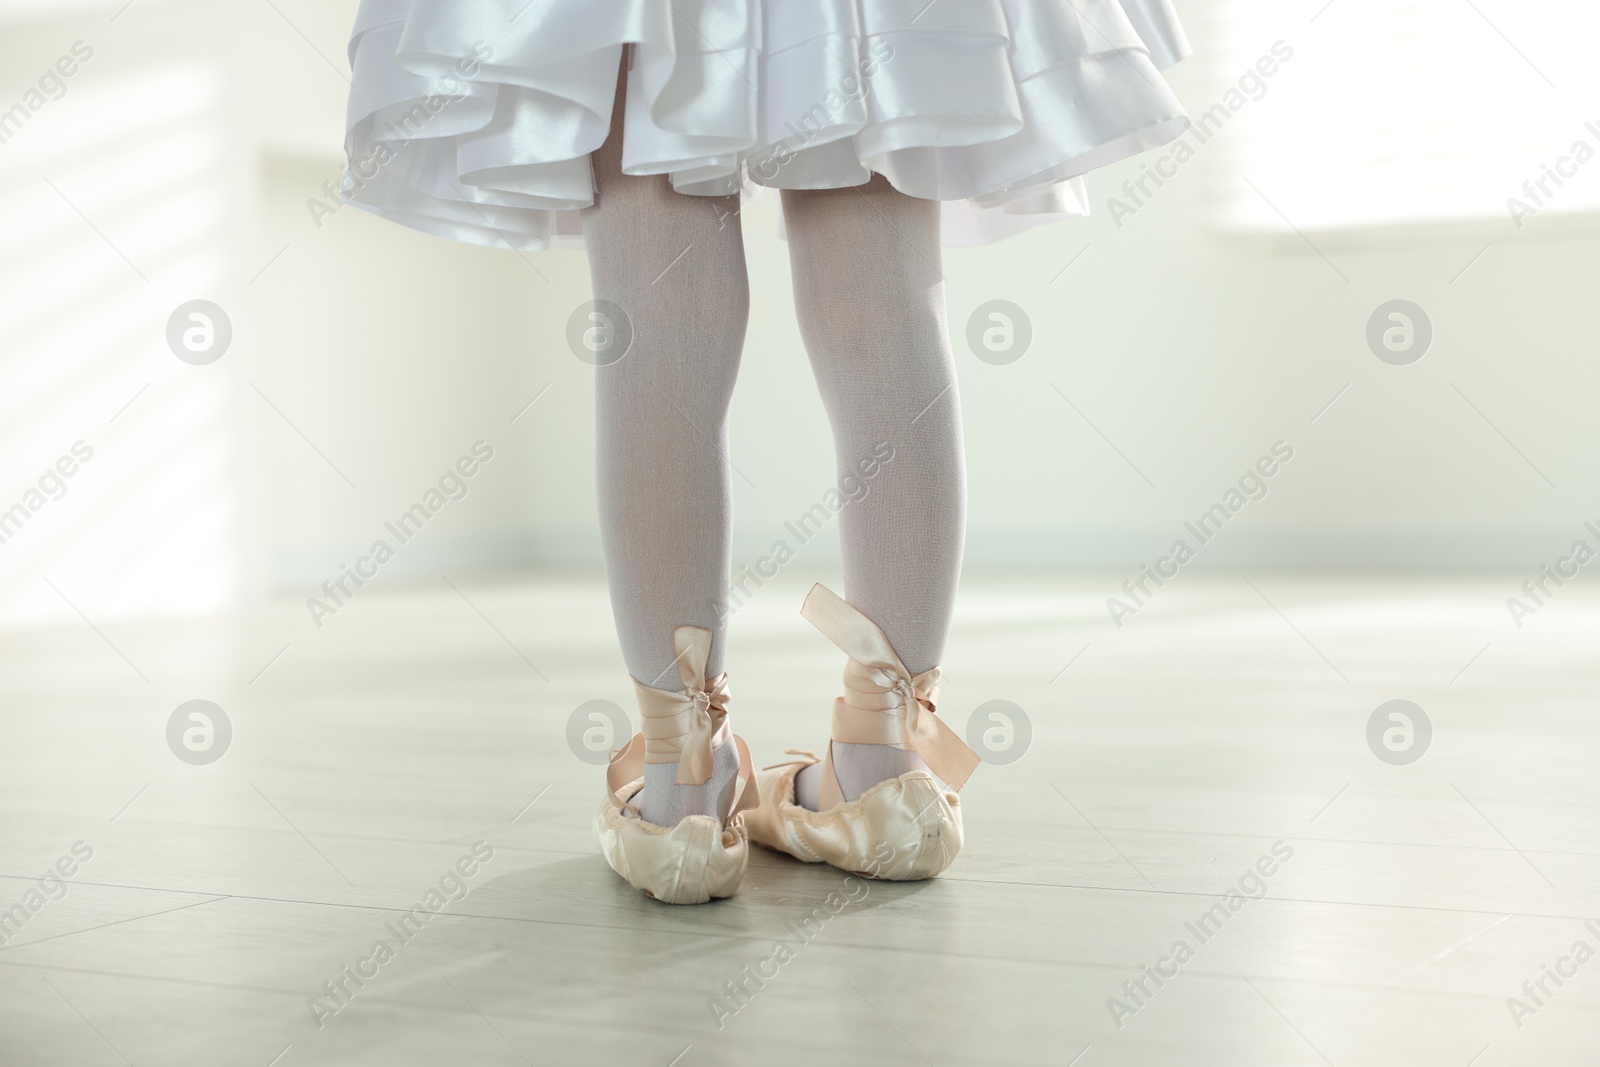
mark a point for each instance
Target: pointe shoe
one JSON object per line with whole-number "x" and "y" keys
{"x": 701, "y": 858}
{"x": 905, "y": 829}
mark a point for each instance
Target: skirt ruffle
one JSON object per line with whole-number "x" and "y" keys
{"x": 474, "y": 119}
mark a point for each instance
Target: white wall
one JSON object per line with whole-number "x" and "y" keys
{"x": 391, "y": 352}
{"x": 122, "y": 195}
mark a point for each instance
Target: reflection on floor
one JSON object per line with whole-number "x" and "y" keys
{"x": 1202, "y": 856}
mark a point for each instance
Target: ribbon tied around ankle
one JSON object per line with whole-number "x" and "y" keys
{"x": 686, "y": 727}
{"x": 884, "y": 704}
{"x": 893, "y": 705}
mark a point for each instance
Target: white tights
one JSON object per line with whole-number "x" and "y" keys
{"x": 870, "y": 301}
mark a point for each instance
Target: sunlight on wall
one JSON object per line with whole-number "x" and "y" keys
{"x": 1377, "y": 112}
{"x": 116, "y": 459}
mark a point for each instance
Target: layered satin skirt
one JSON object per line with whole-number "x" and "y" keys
{"x": 475, "y": 119}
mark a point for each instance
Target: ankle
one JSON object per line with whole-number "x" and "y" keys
{"x": 690, "y": 756}
{"x": 666, "y": 802}
{"x": 858, "y": 767}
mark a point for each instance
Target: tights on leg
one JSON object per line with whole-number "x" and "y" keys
{"x": 675, "y": 266}
{"x": 869, "y": 296}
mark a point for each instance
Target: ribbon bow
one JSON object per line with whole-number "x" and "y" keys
{"x": 884, "y": 703}
{"x": 914, "y": 700}
{"x": 918, "y": 693}
{"x": 686, "y": 727}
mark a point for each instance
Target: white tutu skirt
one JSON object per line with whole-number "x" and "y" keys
{"x": 474, "y": 119}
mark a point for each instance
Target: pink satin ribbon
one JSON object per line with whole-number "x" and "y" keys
{"x": 884, "y": 704}
{"x": 686, "y": 728}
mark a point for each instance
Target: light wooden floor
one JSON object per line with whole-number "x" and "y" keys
{"x": 1229, "y": 715}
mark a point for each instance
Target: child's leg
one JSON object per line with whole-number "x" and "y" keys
{"x": 870, "y": 300}
{"x": 675, "y": 265}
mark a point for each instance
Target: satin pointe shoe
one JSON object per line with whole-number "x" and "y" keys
{"x": 701, "y": 858}
{"x": 904, "y": 829}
